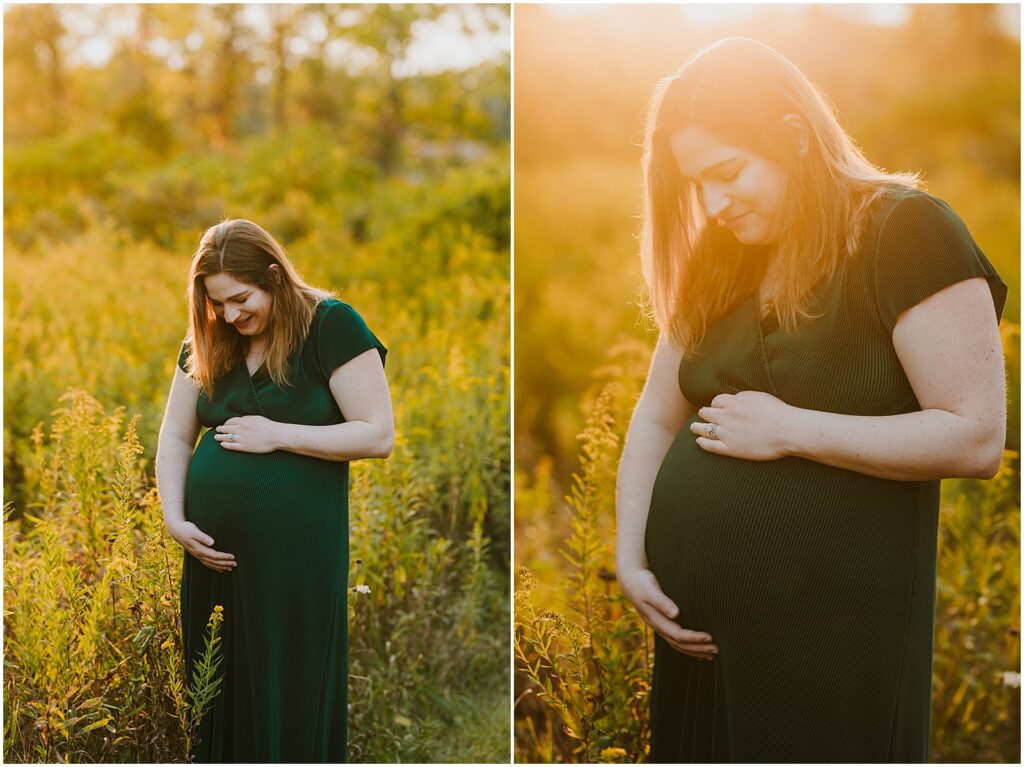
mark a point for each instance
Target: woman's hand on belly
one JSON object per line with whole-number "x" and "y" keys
{"x": 249, "y": 434}
{"x": 751, "y": 425}
{"x": 642, "y": 589}
{"x": 198, "y": 544}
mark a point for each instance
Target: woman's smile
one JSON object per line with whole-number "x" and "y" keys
{"x": 736, "y": 219}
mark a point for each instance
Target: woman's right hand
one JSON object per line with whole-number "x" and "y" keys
{"x": 197, "y": 543}
{"x": 642, "y": 589}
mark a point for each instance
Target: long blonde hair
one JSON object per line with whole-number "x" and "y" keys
{"x": 245, "y": 251}
{"x": 738, "y": 90}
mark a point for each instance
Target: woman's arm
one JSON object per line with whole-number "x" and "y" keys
{"x": 660, "y": 414}
{"x": 950, "y": 349}
{"x": 177, "y": 440}
{"x": 361, "y": 390}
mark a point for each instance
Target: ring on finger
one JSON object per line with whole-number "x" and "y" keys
{"x": 711, "y": 430}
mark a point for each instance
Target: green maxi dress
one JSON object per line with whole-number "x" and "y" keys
{"x": 817, "y": 583}
{"x": 284, "y": 516}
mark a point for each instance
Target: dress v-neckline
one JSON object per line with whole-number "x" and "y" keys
{"x": 255, "y": 373}
{"x": 759, "y": 323}
{"x": 252, "y": 382}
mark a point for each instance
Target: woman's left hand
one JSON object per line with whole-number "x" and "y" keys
{"x": 751, "y": 424}
{"x": 248, "y": 434}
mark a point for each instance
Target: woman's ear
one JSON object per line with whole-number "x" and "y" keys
{"x": 275, "y": 271}
{"x": 797, "y": 128}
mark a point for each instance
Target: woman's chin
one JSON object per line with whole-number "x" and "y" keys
{"x": 753, "y": 238}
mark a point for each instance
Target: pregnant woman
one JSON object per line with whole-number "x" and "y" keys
{"x": 290, "y": 385}
{"x": 829, "y": 351}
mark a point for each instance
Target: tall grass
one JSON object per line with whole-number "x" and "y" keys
{"x": 590, "y": 665}
{"x": 92, "y": 638}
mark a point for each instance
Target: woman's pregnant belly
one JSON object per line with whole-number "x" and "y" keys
{"x": 741, "y": 544}
{"x": 256, "y": 502}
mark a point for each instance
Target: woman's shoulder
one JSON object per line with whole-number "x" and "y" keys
{"x": 323, "y": 306}
{"x": 340, "y": 333}
{"x": 334, "y": 316}
{"x": 333, "y": 310}
{"x": 920, "y": 246}
{"x": 916, "y": 207}
{"x": 902, "y": 215}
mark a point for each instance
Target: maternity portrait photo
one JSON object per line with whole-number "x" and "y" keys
{"x": 257, "y": 383}
{"x": 767, "y": 383}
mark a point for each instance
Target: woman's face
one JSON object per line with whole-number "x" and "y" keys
{"x": 741, "y": 189}
{"x": 240, "y": 304}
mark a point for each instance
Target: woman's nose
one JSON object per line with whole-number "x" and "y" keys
{"x": 715, "y": 203}
{"x": 230, "y": 315}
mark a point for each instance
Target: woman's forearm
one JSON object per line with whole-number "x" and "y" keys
{"x": 339, "y": 442}
{"x": 645, "y": 449}
{"x": 928, "y": 444}
{"x": 173, "y": 456}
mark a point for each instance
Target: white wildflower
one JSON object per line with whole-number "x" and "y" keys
{"x": 362, "y": 588}
{"x": 1011, "y": 678}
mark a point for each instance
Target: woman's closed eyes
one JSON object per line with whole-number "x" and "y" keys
{"x": 218, "y": 304}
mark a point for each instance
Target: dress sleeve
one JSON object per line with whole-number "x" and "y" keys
{"x": 342, "y": 336}
{"x": 183, "y": 355}
{"x": 923, "y": 247}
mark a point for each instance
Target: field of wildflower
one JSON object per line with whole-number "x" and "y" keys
{"x": 583, "y": 346}
{"x": 409, "y": 222}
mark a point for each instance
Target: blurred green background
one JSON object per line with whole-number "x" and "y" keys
{"x": 931, "y": 88}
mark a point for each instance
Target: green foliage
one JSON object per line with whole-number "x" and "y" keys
{"x": 92, "y": 638}
{"x": 976, "y": 682}
{"x": 589, "y": 667}
{"x": 205, "y": 682}
{"x": 427, "y": 638}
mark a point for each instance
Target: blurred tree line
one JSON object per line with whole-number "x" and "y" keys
{"x": 184, "y": 78}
